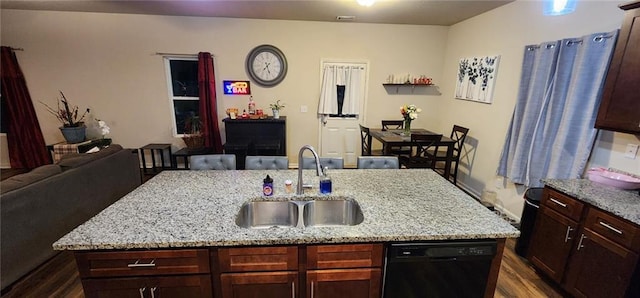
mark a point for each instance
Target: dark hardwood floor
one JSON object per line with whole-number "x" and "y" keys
{"x": 59, "y": 278}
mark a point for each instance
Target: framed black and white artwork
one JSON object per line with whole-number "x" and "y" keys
{"x": 476, "y": 78}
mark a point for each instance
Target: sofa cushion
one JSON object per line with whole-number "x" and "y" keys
{"x": 73, "y": 160}
{"x": 37, "y": 174}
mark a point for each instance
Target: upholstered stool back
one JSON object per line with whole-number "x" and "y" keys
{"x": 329, "y": 162}
{"x": 378, "y": 162}
{"x": 213, "y": 162}
{"x": 266, "y": 163}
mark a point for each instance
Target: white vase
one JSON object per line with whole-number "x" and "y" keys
{"x": 276, "y": 114}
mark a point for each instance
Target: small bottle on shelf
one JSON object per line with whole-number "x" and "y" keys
{"x": 252, "y": 106}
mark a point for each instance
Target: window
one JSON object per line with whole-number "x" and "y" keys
{"x": 182, "y": 76}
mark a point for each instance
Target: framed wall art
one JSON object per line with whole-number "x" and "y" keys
{"x": 476, "y": 78}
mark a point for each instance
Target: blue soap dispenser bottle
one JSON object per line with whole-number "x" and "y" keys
{"x": 325, "y": 182}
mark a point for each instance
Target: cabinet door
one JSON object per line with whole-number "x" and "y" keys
{"x": 344, "y": 283}
{"x": 599, "y": 267}
{"x": 260, "y": 285}
{"x": 620, "y": 106}
{"x": 551, "y": 242}
{"x": 167, "y": 286}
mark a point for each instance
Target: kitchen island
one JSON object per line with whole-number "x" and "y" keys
{"x": 192, "y": 212}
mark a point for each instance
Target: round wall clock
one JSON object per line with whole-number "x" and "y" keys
{"x": 266, "y": 65}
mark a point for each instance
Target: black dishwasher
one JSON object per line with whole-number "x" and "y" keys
{"x": 438, "y": 269}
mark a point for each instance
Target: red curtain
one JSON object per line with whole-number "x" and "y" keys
{"x": 27, "y": 148}
{"x": 208, "y": 103}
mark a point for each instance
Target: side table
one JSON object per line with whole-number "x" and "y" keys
{"x": 155, "y": 149}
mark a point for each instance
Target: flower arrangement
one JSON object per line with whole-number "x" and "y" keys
{"x": 66, "y": 114}
{"x": 104, "y": 129}
{"x": 409, "y": 113}
{"x": 277, "y": 105}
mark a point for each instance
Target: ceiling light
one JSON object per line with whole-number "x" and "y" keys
{"x": 559, "y": 7}
{"x": 366, "y": 3}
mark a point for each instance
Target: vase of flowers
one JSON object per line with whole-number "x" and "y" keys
{"x": 73, "y": 128}
{"x": 409, "y": 113}
{"x": 275, "y": 108}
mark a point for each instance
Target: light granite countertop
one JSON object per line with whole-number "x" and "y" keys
{"x": 198, "y": 209}
{"x": 623, "y": 203}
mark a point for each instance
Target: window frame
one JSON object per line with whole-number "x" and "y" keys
{"x": 167, "y": 67}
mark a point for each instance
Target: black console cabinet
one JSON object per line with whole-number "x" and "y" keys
{"x": 255, "y": 137}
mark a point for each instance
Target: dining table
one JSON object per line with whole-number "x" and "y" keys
{"x": 396, "y": 138}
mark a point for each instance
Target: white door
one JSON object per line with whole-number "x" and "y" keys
{"x": 340, "y": 135}
{"x": 341, "y": 138}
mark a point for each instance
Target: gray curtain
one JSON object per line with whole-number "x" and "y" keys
{"x": 551, "y": 132}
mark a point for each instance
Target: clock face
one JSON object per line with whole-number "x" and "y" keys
{"x": 266, "y": 65}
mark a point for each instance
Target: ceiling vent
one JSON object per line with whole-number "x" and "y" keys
{"x": 345, "y": 18}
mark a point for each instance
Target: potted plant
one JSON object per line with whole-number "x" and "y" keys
{"x": 192, "y": 136}
{"x": 275, "y": 108}
{"x": 73, "y": 128}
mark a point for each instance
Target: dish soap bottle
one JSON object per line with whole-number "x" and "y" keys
{"x": 325, "y": 182}
{"x": 267, "y": 186}
{"x": 252, "y": 106}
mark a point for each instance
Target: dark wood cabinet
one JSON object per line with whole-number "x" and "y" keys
{"x": 552, "y": 242}
{"x": 620, "y": 106}
{"x": 260, "y": 284}
{"x": 158, "y": 273}
{"x": 344, "y": 283}
{"x": 335, "y": 271}
{"x": 595, "y": 255}
{"x": 599, "y": 267}
{"x": 255, "y": 137}
{"x": 195, "y": 286}
{"x": 344, "y": 271}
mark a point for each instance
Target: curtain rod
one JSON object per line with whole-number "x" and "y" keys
{"x": 17, "y": 49}
{"x": 175, "y": 54}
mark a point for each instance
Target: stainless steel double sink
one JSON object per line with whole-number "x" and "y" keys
{"x": 308, "y": 213}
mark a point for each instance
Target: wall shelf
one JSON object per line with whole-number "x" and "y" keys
{"x": 397, "y": 86}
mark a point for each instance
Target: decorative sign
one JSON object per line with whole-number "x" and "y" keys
{"x": 236, "y": 87}
{"x": 476, "y": 77}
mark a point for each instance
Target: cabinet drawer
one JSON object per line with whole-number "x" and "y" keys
{"x": 614, "y": 228}
{"x": 344, "y": 256}
{"x": 141, "y": 263}
{"x": 245, "y": 259}
{"x": 563, "y": 204}
{"x": 166, "y": 286}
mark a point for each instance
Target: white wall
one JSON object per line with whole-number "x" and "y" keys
{"x": 107, "y": 62}
{"x": 505, "y": 31}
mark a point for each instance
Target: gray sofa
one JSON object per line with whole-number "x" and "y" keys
{"x": 39, "y": 207}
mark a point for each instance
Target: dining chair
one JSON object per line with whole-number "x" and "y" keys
{"x": 396, "y": 125}
{"x": 378, "y": 162}
{"x": 418, "y": 158}
{"x": 212, "y": 162}
{"x": 458, "y": 134}
{"x": 266, "y": 163}
{"x": 329, "y": 162}
{"x": 365, "y": 137}
{"x": 392, "y": 124}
